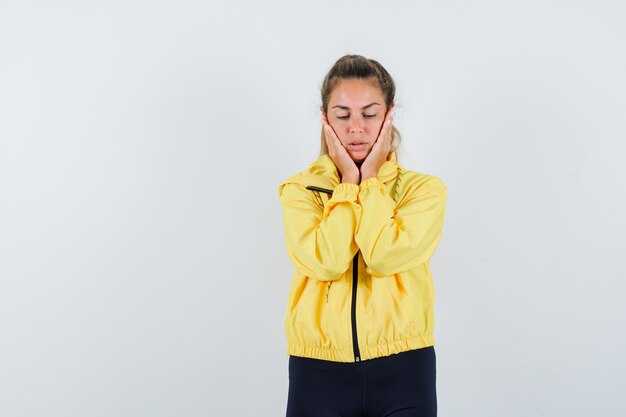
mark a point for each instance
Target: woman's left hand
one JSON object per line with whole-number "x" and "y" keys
{"x": 378, "y": 155}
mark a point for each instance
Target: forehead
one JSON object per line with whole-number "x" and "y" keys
{"x": 355, "y": 93}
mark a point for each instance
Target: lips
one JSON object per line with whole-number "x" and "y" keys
{"x": 357, "y": 146}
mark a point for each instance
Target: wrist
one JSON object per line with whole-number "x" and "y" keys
{"x": 351, "y": 179}
{"x": 367, "y": 174}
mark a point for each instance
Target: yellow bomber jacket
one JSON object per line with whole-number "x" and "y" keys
{"x": 362, "y": 286}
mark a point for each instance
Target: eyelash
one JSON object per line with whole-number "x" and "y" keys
{"x": 367, "y": 116}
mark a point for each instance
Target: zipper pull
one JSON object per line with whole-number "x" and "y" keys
{"x": 328, "y": 290}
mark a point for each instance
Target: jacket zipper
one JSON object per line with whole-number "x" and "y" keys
{"x": 355, "y": 277}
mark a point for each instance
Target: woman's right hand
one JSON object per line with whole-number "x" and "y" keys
{"x": 344, "y": 163}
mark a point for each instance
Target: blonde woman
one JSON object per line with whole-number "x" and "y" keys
{"x": 360, "y": 230}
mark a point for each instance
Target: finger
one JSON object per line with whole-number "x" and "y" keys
{"x": 333, "y": 136}
{"x": 327, "y": 137}
{"x": 390, "y": 118}
{"x": 384, "y": 130}
{"x": 388, "y": 129}
{"x": 383, "y": 142}
{"x": 331, "y": 139}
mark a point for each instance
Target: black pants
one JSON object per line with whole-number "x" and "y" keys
{"x": 398, "y": 385}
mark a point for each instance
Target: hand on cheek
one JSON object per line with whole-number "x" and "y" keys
{"x": 339, "y": 155}
{"x": 378, "y": 155}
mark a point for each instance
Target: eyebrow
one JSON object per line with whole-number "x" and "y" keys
{"x": 362, "y": 108}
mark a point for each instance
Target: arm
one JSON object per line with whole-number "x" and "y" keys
{"x": 320, "y": 242}
{"x": 395, "y": 239}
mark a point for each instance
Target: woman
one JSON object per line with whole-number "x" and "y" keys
{"x": 360, "y": 230}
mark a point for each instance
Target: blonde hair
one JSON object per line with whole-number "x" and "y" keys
{"x": 357, "y": 66}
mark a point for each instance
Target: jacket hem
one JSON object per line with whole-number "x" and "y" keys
{"x": 320, "y": 352}
{"x": 397, "y": 346}
{"x": 367, "y": 351}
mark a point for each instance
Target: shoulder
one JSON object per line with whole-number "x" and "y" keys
{"x": 414, "y": 182}
{"x": 295, "y": 186}
{"x": 320, "y": 173}
{"x": 292, "y": 184}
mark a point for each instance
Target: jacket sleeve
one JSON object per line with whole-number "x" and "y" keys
{"x": 395, "y": 239}
{"x": 320, "y": 241}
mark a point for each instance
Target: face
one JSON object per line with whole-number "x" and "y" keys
{"x": 356, "y": 112}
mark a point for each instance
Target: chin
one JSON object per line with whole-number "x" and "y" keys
{"x": 360, "y": 157}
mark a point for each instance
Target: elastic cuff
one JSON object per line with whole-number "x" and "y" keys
{"x": 371, "y": 182}
{"x": 345, "y": 191}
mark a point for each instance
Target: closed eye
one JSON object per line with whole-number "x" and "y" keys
{"x": 367, "y": 116}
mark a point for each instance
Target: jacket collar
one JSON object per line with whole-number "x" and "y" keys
{"x": 323, "y": 172}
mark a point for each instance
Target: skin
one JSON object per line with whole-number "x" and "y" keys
{"x": 352, "y": 117}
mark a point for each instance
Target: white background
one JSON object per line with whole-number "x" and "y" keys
{"x": 142, "y": 264}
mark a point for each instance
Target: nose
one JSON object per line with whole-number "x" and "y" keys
{"x": 356, "y": 126}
